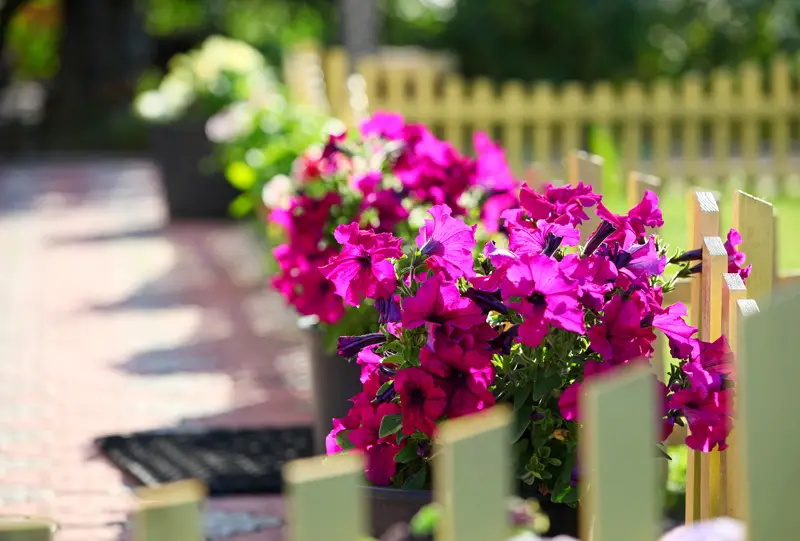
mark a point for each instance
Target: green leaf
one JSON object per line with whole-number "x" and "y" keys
{"x": 407, "y": 453}
{"x": 424, "y": 522}
{"x": 662, "y": 453}
{"x": 416, "y": 481}
{"x": 522, "y": 420}
{"x": 390, "y": 424}
{"x": 521, "y": 395}
{"x": 241, "y": 206}
{"x": 545, "y": 385}
{"x": 562, "y": 486}
{"x": 554, "y": 461}
{"x": 343, "y": 440}
{"x": 383, "y": 388}
{"x": 241, "y": 175}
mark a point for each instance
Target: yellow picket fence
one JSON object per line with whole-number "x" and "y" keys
{"x": 701, "y": 126}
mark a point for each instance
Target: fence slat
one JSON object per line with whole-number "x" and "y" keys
{"x": 722, "y": 92}
{"x": 633, "y": 105}
{"x": 474, "y": 499}
{"x": 692, "y": 95}
{"x": 769, "y": 431}
{"x": 329, "y": 483}
{"x": 704, "y": 218}
{"x": 453, "y": 104}
{"x": 753, "y": 218}
{"x": 733, "y": 291}
{"x": 513, "y": 102}
{"x": 715, "y": 265}
{"x": 751, "y": 101}
{"x": 586, "y": 168}
{"x": 781, "y": 99}
{"x": 663, "y": 109}
{"x": 170, "y": 512}
{"x": 619, "y": 479}
{"x": 26, "y": 529}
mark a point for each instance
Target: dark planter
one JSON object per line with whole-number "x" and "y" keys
{"x": 389, "y": 506}
{"x": 193, "y": 190}
{"x": 334, "y": 381}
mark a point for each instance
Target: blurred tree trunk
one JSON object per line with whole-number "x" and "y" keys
{"x": 361, "y": 27}
{"x": 102, "y": 51}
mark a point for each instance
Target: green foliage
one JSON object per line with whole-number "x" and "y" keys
{"x": 202, "y": 82}
{"x": 33, "y": 36}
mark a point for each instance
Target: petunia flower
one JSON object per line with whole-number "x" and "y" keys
{"x": 619, "y": 337}
{"x": 736, "y": 258}
{"x": 447, "y": 243}
{"x": 421, "y": 401}
{"x": 362, "y": 268}
{"x": 545, "y": 297}
{"x": 645, "y": 214}
{"x": 563, "y": 204}
{"x": 439, "y": 303}
{"x": 544, "y": 238}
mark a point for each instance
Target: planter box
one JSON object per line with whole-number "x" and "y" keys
{"x": 192, "y": 191}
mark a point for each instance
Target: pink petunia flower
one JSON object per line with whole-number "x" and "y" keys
{"x": 421, "y": 401}
{"x": 537, "y": 289}
{"x": 545, "y": 238}
{"x": 562, "y": 205}
{"x": 645, "y": 214}
{"x": 362, "y": 268}
{"x": 620, "y": 337}
{"x": 439, "y": 303}
{"x": 447, "y": 244}
{"x": 736, "y": 258}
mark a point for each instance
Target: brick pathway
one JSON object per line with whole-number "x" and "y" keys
{"x": 112, "y": 323}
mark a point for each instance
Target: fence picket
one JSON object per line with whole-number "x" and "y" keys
{"x": 462, "y": 486}
{"x": 619, "y": 476}
{"x": 769, "y": 430}
{"x": 753, "y": 218}
{"x": 330, "y": 483}
{"x": 170, "y": 512}
{"x": 26, "y": 529}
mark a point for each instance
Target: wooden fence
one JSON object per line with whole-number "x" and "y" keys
{"x": 740, "y": 120}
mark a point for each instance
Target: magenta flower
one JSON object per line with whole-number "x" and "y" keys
{"x": 645, "y": 214}
{"x": 382, "y": 124}
{"x": 389, "y": 205}
{"x": 380, "y": 463}
{"x": 736, "y": 258}
{"x": 439, "y": 303}
{"x": 501, "y": 260}
{"x": 545, "y": 238}
{"x": 363, "y": 269}
{"x": 620, "y": 336}
{"x": 563, "y": 204}
{"x": 366, "y": 183}
{"x": 367, "y": 433}
{"x": 494, "y": 177}
{"x": 447, "y": 244}
{"x": 636, "y": 263}
{"x": 466, "y": 374}
{"x": 422, "y": 402}
{"x": 707, "y": 414}
{"x": 537, "y": 289}
{"x": 594, "y": 275}
{"x": 671, "y": 322}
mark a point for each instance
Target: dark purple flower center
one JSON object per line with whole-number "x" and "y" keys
{"x": 387, "y": 395}
{"x": 431, "y": 247}
{"x": 364, "y": 260}
{"x": 416, "y": 398}
{"x": 537, "y": 299}
{"x": 600, "y": 234}
{"x": 552, "y": 242}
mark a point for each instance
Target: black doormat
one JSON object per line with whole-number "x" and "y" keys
{"x": 230, "y": 462}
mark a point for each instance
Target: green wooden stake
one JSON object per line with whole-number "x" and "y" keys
{"x": 170, "y": 512}
{"x": 619, "y": 477}
{"x": 26, "y": 529}
{"x": 325, "y": 499}
{"x": 472, "y": 477}
{"x": 769, "y": 422}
